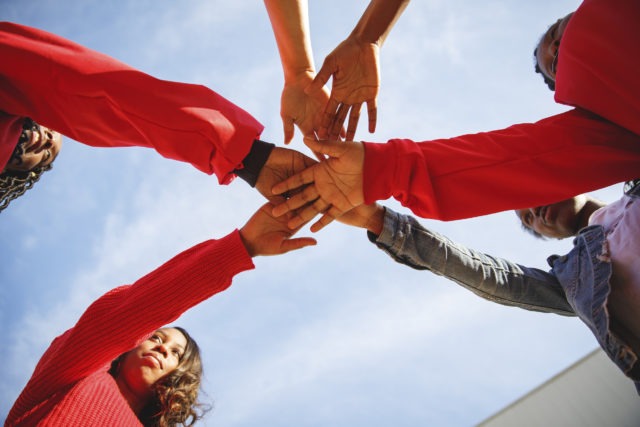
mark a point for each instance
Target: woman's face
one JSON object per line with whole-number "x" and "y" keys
{"x": 153, "y": 359}
{"x": 40, "y": 148}
{"x": 547, "y": 53}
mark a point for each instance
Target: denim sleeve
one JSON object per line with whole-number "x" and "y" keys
{"x": 491, "y": 278}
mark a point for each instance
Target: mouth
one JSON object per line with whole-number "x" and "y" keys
{"x": 35, "y": 142}
{"x": 154, "y": 357}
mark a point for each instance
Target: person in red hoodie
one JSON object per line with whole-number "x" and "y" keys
{"x": 596, "y": 144}
{"x": 118, "y": 366}
{"x": 50, "y": 83}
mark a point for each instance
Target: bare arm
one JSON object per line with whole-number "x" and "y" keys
{"x": 290, "y": 23}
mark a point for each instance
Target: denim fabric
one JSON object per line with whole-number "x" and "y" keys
{"x": 576, "y": 285}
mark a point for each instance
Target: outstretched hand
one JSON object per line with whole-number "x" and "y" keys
{"x": 301, "y": 108}
{"x": 265, "y": 234}
{"x": 281, "y": 164}
{"x": 354, "y": 66}
{"x": 331, "y": 187}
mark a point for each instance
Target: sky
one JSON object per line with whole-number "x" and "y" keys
{"x": 336, "y": 334}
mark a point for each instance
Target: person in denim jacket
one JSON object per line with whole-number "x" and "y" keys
{"x": 598, "y": 280}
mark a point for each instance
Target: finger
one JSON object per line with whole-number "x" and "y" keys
{"x": 288, "y": 130}
{"x": 354, "y": 116}
{"x": 324, "y": 147}
{"x": 320, "y": 80}
{"x": 297, "y": 243}
{"x": 338, "y": 121}
{"x": 308, "y": 195}
{"x": 308, "y": 213}
{"x": 324, "y": 220}
{"x": 294, "y": 181}
{"x": 329, "y": 113}
{"x": 372, "y": 113}
{"x": 301, "y": 217}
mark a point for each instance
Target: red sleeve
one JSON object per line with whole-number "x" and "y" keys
{"x": 124, "y": 316}
{"x": 522, "y": 166}
{"x": 102, "y": 102}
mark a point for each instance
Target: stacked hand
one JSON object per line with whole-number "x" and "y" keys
{"x": 355, "y": 68}
{"x": 265, "y": 234}
{"x": 281, "y": 164}
{"x": 301, "y": 108}
{"x": 331, "y": 187}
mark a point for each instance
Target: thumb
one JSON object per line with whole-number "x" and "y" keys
{"x": 319, "y": 81}
{"x": 288, "y": 129}
{"x": 325, "y": 146}
{"x": 297, "y": 243}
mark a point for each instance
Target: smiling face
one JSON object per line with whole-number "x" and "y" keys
{"x": 557, "y": 220}
{"x": 38, "y": 146}
{"x": 549, "y": 46}
{"x": 153, "y": 359}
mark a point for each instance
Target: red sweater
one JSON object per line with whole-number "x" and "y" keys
{"x": 102, "y": 102}
{"x": 595, "y": 145}
{"x": 70, "y": 385}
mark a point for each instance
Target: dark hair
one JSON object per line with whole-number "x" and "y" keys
{"x": 533, "y": 232}
{"x": 175, "y": 395}
{"x": 14, "y": 184}
{"x": 551, "y": 84}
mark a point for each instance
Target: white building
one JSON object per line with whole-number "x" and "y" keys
{"x": 590, "y": 393}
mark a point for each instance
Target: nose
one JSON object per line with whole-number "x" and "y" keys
{"x": 160, "y": 348}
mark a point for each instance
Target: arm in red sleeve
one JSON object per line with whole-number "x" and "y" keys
{"x": 102, "y": 102}
{"x": 124, "y": 316}
{"x": 522, "y": 166}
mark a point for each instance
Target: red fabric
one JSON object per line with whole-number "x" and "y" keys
{"x": 533, "y": 164}
{"x": 102, "y": 102}
{"x": 70, "y": 385}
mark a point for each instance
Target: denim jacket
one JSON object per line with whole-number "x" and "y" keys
{"x": 576, "y": 285}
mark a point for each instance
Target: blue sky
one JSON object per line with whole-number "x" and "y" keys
{"x": 333, "y": 335}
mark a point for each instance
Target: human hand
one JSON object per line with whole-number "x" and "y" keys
{"x": 369, "y": 217}
{"x": 354, "y": 66}
{"x": 301, "y": 108}
{"x": 336, "y": 185}
{"x": 281, "y": 164}
{"x": 265, "y": 234}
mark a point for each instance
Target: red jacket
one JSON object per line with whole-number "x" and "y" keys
{"x": 595, "y": 145}
{"x": 102, "y": 102}
{"x": 70, "y": 385}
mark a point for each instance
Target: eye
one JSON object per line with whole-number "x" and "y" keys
{"x": 156, "y": 338}
{"x": 177, "y": 354}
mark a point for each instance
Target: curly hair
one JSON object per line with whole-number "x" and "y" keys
{"x": 175, "y": 400}
{"x": 14, "y": 184}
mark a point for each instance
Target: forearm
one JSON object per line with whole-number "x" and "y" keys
{"x": 522, "y": 166}
{"x": 122, "y": 317}
{"x": 378, "y": 20}
{"x": 102, "y": 102}
{"x": 492, "y": 278}
{"x": 290, "y": 23}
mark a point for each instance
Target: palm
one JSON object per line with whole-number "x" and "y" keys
{"x": 355, "y": 70}
{"x": 265, "y": 234}
{"x": 302, "y": 109}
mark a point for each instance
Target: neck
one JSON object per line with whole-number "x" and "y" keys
{"x": 590, "y": 206}
{"x": 135, "y": 401}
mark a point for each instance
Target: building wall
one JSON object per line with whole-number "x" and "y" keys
{"x": 590, "y": 393}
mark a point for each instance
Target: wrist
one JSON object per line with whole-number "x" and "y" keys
{"x": 253, "y": 163}
{"x": 376, "y": 221}
{"x": 299, "y": 75}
